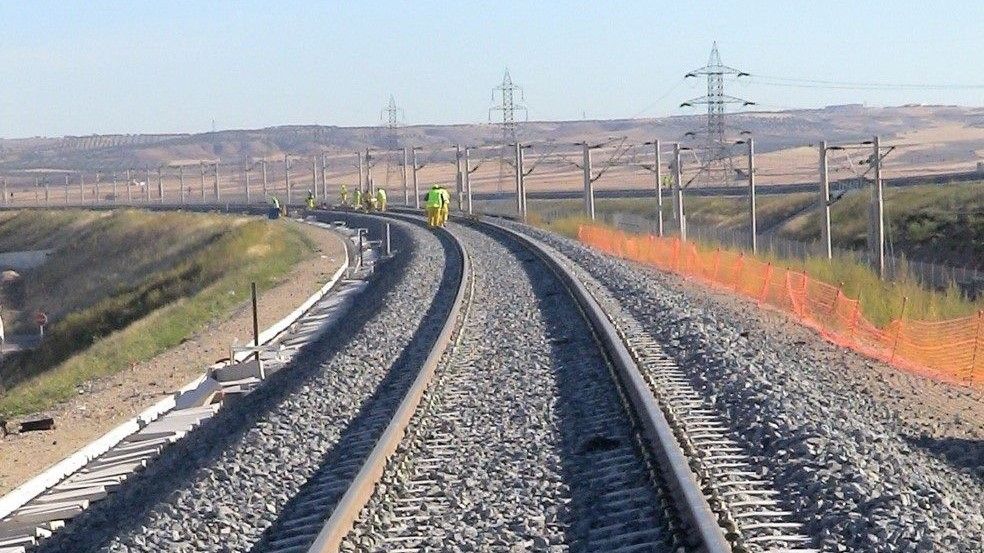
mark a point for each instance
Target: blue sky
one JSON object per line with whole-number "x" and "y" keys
{"x": 103, "y": 67}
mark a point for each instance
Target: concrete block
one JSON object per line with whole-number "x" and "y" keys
{"x": 240, "y": 371}
{"x": 90, "y": 494}
{"x": 65, "y": 512}
{"x": 203, "y": 394}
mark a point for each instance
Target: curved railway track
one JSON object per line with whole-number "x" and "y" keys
{"x": 516, "y": 412}
{"x": 534, "y": 429}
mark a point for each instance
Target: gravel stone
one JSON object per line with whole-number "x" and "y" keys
{"x": 275, "y": 438}
{"x": 500, "y": 456}
{"x": 827, "y": 426}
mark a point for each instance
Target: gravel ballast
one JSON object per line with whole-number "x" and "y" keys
{"x": 521, "y": 443}
{"x": 221, "y": 487}
{"x": 870, "y": 459}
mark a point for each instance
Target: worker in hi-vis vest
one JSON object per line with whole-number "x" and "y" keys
{"x": 357, "y": 196}
{"x": 433, "y": 204}
{"x": 381, "y": 199}
{"x": 445, "y": 206}
{"x": 343, "y": 195}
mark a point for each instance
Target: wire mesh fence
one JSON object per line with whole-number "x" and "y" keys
{"x": 970, "y": 280}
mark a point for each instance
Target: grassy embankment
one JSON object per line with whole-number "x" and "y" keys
{"x": 128, "y": 285}
{"x": 923, "y": 221}
{"x": 881, "y": 302}
{"x": 725, "y": 212}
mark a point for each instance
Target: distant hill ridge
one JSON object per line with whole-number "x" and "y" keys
{"x": 772, "y": 130}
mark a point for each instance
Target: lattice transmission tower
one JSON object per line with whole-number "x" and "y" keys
{"x": 511, "y": 100}
{"x": 394, "y": 117}
{"x": 716, "y": 165}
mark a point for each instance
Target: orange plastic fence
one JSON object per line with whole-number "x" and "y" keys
{"x": 947, "y": 350}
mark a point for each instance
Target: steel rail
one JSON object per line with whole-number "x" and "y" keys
{"x": 360, "y": 491}
{"x": 690, "y": 501}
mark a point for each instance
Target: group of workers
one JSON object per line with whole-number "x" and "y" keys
{"x": 364, "y": 201}
{"x": 438, "y": 205}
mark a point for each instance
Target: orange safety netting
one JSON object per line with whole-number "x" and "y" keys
{"x": 946, "y": 350}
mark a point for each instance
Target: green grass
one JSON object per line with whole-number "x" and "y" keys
{"x": 940, "y": 221}
{"x": 725, "y": 212}
{"x": 881, "y": 302}
{"x": 136, "y": 322}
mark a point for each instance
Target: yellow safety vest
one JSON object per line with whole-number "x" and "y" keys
{"x": 434, "y": 197}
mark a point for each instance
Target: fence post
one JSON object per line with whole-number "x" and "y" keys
{"x": 833, "y": 307}
{"x": 765, "y": 283}
{"x": 854, "y": 320}
{"x": 898, "y": 331}
{"x": 977, "y": 344}
{"x": 803, "y": 302}
{"x": 739, "y": 265}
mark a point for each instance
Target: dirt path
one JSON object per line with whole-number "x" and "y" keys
{"x": 110, "y": 401}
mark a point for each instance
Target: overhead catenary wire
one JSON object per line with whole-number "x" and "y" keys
{"x": 854, "y": 85}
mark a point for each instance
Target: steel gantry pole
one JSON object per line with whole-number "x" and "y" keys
{"x": 160, "y": 183}
{"x": 406, "y": 190}
{"x": 116, "y": 198}
{"x": 314, "y": 176}
{"x": 6, "y": 198}
{"x": 290, "y": 194}
{"x": 521, "y": 180}
{"x": 416, "y": 186}
{"x": 370, "y": 186}
{"x": 181, "y": 184}
{"x": 459, "y": 183}
{"x": 753, "y": 223}
{"x": 147, "y": 188}
{"x": 129, "y": 187}
{"x": 324, "y": 177}
{"x": 67, "y": 200}
{"x": 589, "y": 203}
{"x": 246, "y": 179}
{"x": 658, "y": 172}
{"x": 82, "y": 188}
{"x": 95, "y": 199}
{"x": 467, "y": 184}
{"x": 825, "y": 201}
{"x": 678, "y": 184}
{"x": 362, "y": 173}
{"x": 263, "y": 164}
{"x": 215, "y": 181}
{"x": 203, "y": 181}
{"x": 878, "y": 210}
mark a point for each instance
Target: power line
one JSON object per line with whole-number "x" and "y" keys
{"x": 853, "y": 85}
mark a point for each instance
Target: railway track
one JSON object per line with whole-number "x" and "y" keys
{"x": 534, "y": 430}
{"x": 516, "y": 412}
